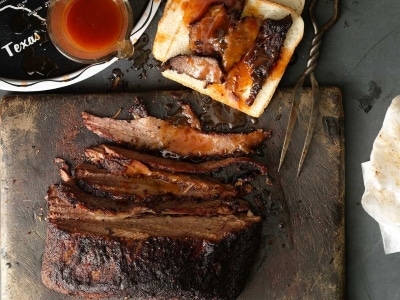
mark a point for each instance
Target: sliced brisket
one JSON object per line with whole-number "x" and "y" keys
{"x": 128, "y": 224}
{"x": 155, "y": 134}
{"x": 99, "y": 250}
{"x": 105, "y": 155}
{"x": 141, "y": 186}
{"x": 68, "y": 201}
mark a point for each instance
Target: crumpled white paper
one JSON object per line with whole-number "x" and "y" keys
{"x": 381, "y": 174}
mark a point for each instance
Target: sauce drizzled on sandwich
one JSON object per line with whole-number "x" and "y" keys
{"x": 235, "y": 52}
{"x": 197, "y": 8}
{"x": 239, "y": 53}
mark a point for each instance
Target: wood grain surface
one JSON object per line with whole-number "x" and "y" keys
{"x": 302, "y": 254}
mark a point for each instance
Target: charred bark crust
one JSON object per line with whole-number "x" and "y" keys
{"x": 156, "y": 267}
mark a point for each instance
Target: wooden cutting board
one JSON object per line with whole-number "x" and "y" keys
{"x": 302, "y": 256}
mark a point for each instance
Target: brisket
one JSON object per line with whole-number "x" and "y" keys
{"x": 67, "y": 200}
{"x": 150, "y": 133}
{"x": 266, "y": 52}
{"x": 109, "y": 156}
{"x": 97, "y": 250}
{"x": 136, "y": 185}
{"x": 129, "y": 224}
{"x": 206, "y": 34}
{"x": 206, "y": 69}
{"x": 90, "y": 264}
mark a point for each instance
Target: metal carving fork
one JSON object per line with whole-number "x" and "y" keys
{"x": 311, "y": 66}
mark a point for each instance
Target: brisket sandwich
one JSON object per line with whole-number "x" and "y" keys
{"x": 235, "y": 51}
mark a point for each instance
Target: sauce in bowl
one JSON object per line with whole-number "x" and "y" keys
{"x": 99, "y": 29}
{"x": 90, "y": 30}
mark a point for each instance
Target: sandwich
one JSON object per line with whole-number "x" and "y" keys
{"x": 234, "y": 51}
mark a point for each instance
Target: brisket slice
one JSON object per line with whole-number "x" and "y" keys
{"x": 68, "y": 201}
{"x": 205, "y": 35}
{"x": 150, "y": 133}
{"x": 247, "y": 77}
{"x": 97, "y": 252}
{"x": 203, "y": 68}
{"x": 141, "y": 186}
{"x": 106, "y": 155}
{"x": 266, "y": 52}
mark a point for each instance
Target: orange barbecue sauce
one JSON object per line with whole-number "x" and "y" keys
{"x": 196, "y": 8}
{"x": 93, "y": 25}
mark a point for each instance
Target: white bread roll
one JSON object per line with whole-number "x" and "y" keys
{"x": 172, "y": 39}
{"x": 296, "y": 5}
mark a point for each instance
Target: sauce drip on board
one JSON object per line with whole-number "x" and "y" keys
{"x": 93, "y": 24}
